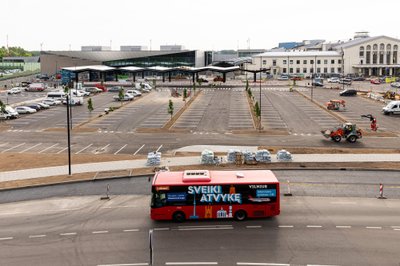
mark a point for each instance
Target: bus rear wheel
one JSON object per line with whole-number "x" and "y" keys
{"x": 178, "y": 217}
{"x": 240, "y": 215}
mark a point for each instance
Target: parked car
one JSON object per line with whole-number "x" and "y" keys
{"x": 24, "y": 110}
{"x": 115, "y": 89}
{"x": 375, "y": 81}
{"x": 4, "y": 116}
{"x": 395, "y": 84}
{"x": 392, "y": 108}
{"x": 348, "y": 92}
{"x": 358, "y": 79}
{"x": 25, "y": 83}
{"x": 43, "y": 105}
{"x": 333, "y": 80}
{"x": 135, "y": 93}
{"x": 35, "y": 106}
{"x": 12, "y": 113}
{"x": 92, "y": 89}
{"x": 51, "y": 102}
{"x": 14, "y": 90}
{"x": 283, "y": 77}
{"x": 127, "y": 97}
{"x": 345, "y": 81}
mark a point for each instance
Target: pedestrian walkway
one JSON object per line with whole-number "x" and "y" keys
{"x": 186, "y": 160}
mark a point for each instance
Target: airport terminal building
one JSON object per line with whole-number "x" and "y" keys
{"x": 53, "y": 61}
{"x": 363, "y": 55}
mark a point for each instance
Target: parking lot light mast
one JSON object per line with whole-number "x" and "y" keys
{"x": 68, "y": 137}
{"x": 260, "y": 92}
{"x": 342, "y": 67}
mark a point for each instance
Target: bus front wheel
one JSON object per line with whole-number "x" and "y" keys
{"x": 178, "y": 217}
{"x": 240, "y": 215}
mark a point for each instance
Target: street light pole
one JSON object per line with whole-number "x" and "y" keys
{"x": 260, "y": 92}
{"x": 69, "y": 138}
{"x": 342, "y": 68}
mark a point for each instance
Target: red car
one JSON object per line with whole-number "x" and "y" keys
{"x": 375, "y": 81}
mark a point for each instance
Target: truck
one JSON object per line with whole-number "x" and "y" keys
{"x": 347, "y": 131}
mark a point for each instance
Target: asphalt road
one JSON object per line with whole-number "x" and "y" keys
{"x": 84, "y": 230}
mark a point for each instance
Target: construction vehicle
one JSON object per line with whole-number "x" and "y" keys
{"x": 336, "y": 105}
{"x": 374, "y": 126}
{"x": 347, "y": 131}
{"x": 390, "y": 95}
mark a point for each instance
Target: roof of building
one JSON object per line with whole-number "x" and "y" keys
{"x": 299, "y": 54}
{"x": 361, "y": 40}
{"x": 103, "y": 56}
{"x": 218, "y": 178}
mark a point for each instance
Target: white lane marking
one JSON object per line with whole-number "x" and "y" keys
{"x": 84, "y": 148}
{"x": 120, "y": 149}
{"x": 159, "y": 148}
{"x": 131, "y": 230}
{"x": 396, "y": 229}
{"x": 125, "y": 264}
{"x": 63, "y": 149}
{"x": 101, "y": 149}
{"x": 27, "y": 149}
{"x": 6, "y": 238}
{"x": 37, "y": 236}
{"x": 4, "y": 144}
{"x": 253, "y": 226}
{"x": 13, "y": 147}
{"x": 191, "y": 263}
{"x": 139, "y": 149}
{"x": 343, "y": 226}
{"x": 48, "y": 148}
{"x": 100, "y": 232}
{"x": 286, "y": 226}
{"x": 262, "y": 263}
{"x": 314, "y": 226}
{"x": 68, "y": 234}
{"x": 321, "y": 265}
{"x": 373, "y": 227}
{"x": 161, "y": 229}
{"x": 202, "y": 228}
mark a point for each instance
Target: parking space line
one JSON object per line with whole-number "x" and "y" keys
{"x": 30, "y": 148}
{"x": 101, "y": 149}
{"x": 139, "y": 149}
{"x": 84, "y": 148}
{"x": 19, "y": 145}
{"x": 120, "y": 149}
{"x": 4, "y": 144}
{"x": 48, "y": 148}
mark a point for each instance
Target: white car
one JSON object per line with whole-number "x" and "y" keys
{"x": 43, "y": 105}
{"x": 333, "y": 80}
{"x": 127, "y": 97}
{"x": 84, "y": 93}
{"x": 134, "y": 92}
{"x": 14, "y": 90}
{"x": 24, "y": 110}
{"x": 51, "y": 102}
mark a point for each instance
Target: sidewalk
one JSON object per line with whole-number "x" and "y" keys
{"x": 185, "y": 160}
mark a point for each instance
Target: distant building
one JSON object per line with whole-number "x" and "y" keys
{"x": 132, "y": 48}
{"x": 289, "y": 45}
{"x": 95, "y": 48}
{"x": 172, "y": 47}
{"x": 249, "y": 52}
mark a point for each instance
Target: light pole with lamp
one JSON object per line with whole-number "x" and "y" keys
{"x": 260, "y": 93}
{"x": 342, "y": 53}
{"x": 69, "y": 138}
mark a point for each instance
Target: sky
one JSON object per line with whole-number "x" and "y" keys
{"x": 201, "y": 24}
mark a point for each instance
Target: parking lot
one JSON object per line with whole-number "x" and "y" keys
{"x": 216, "y": 110}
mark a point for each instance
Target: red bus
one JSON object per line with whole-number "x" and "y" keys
{"x": 203, "y": 194}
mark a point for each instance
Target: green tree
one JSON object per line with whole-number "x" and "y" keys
{"x": 257, "y": 110}
{"x": 249, "y": 92}
{"x": 184, "y": 94}
{"x": 2, "y": 106}
{"x": 13, "y": 51}
{"x": 171, "y": 108}
{"x": 121, "y": 95}
{"x": 90, "y": 105}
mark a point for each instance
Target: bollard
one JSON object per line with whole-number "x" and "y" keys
{"x": 107, "y": 197}
{"x": 289, "y": 193}
{"x": 381, "y": 192}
